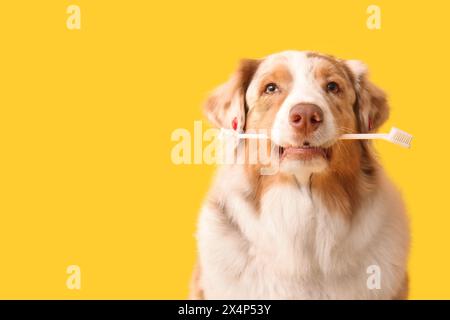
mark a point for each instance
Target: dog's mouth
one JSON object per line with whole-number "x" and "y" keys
{"x": 305, "y": 152}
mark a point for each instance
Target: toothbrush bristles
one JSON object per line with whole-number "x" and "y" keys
{"x": 400, "y": 137}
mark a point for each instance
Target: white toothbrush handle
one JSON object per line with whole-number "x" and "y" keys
{"x": 248, "y": 135}
{"x": 363, "y": 136}
{"x": 252, "y": 136}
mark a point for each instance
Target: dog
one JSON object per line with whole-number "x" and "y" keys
{"x": 329, "y": 220}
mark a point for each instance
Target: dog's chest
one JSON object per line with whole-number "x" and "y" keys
{"x": 285, "y": 248}
{"x": 286, "y": 227}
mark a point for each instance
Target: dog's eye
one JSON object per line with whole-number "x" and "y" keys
{"x": 271, "y": 88}
{"x": 332, "y": 87}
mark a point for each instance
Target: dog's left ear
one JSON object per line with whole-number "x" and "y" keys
{"x": 372, "y": 103}
{"x": 225, "y": 107}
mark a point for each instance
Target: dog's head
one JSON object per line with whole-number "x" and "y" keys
{"x": 304, "y": 101}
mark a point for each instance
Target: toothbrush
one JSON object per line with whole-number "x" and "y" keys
{"x": 231, "y": 133}
{"x": 395, "y": 136}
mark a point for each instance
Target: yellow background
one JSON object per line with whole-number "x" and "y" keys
{"x": 86, "y": 117}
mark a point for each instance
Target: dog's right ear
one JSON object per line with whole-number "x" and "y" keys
{"x": 225, "y": 107}
{"x": 372, "y": 101}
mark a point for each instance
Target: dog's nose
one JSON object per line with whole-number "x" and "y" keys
{"x": 305, "y": 117}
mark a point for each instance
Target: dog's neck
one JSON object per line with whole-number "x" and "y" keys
{"x": 351, "y": 175}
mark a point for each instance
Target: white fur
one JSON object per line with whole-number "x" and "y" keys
{"x": 295, "y": 249}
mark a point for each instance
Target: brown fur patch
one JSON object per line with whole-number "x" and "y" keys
{"x": 372, "y": 104}
{"x": 217, "y": 106}
{"x": 351, "y": 176}
{"x": 341, "y": 103}
{"x": 262, "y": 114}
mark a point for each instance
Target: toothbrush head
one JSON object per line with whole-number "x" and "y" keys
{"x": 400, "y": 137}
